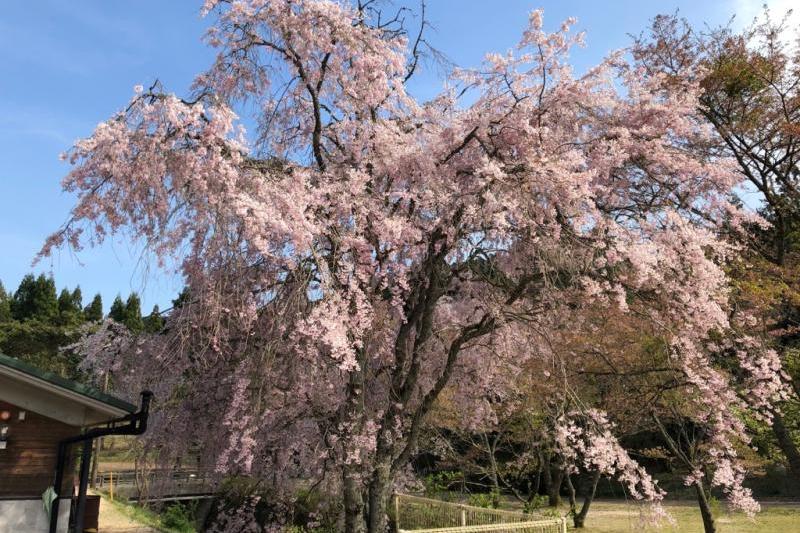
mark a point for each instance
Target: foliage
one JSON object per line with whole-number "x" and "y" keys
{"x": 535, "y": 504}
{"x": 487, "y": 500}
{"x": 750, "y": 96}
{"x": 438, "y": 483}
{"x": 178, "y": 518}
{"x": 364, "y": 250}
{"x": 154, "y": 322}
{"x": 70, "y": 307}
{"x": 5, "y": 305}
{"x": 36, "y": 325}
{"x": 149, "y": 518}
{"x": 117, "y": 311}
{"x": 35, "y": 299}
{"x": 94, "y": 311}
{"x": 128, "y": 312}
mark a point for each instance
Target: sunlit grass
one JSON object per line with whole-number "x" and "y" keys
{"x": 138, "y": 514}
{"x": 608, "y": 517}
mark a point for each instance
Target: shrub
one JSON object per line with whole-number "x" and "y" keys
{"x": 178, "y": 518}
{"x": 536, "y": 503}
{"x": 483, "y": 499}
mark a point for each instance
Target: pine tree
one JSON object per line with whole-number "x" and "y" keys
{"x": 154, "y": 322}
{"x": 181, "y": 299}
{"x": 35, "y": 298}
{"x": 5, "y": 304}
{"x": 94, "y": 311}
{"x": 77, "y": 298}
{"x": 69, "y": 308}
{"x": 133, "y": 313}
{"x": 117, "y": 311}
{"x": 64, "y": 302}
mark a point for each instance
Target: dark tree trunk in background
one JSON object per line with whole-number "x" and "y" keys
{"x": 787, "y": 445}
{"x": 553, "y": 478}
{"x": 556, "y": 478}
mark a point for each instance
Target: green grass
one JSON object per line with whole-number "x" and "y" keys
{"x": 608, "y": 517}
{"x": 139, "y": 514}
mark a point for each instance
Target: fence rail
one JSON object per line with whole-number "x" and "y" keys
{"x": 424, "y": 515}
{"x": 159, "y": 483}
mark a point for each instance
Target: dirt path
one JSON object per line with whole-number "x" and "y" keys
{"x": 112, "y": 520}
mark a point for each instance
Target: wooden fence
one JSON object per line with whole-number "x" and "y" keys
{"x": 415, "y": 514}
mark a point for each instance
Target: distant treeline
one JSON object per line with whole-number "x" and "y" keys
{"x": 36, "y": 321}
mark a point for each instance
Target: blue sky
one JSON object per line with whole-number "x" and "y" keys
{"x": 68, "y": 65}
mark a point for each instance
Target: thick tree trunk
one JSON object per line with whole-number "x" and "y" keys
{"x": 353, "y": 501}
{"x": 553, "y": 477}
{"x": 579, "y": 518}
{"x": 378, "y": 496}
{"x": 554, "y": 488}
{"x": 787, "y": 445}
{"x": 705, "y": 511}
{"x": 546, "y": 474}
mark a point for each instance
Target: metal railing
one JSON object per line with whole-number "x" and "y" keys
{"x": 124, "y": 484}
{"x": 424, "y": 515}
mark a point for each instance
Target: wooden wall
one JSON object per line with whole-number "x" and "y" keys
{"x": 28, "y": 464}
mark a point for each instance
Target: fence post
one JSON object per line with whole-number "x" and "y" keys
{"x": 563, "y": 524}
{"x": 396, "y": 498}
{"x": 111, "y": 485}
{"x": 463, "y": 516}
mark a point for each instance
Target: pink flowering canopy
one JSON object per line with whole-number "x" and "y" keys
{"x": 362, "y": 249}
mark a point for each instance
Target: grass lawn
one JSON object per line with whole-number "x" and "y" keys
{"x": 123, "y": 517}
{"x": 608, "y": 517}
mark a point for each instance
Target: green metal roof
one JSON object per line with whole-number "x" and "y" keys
{"x": 55, "y": 379}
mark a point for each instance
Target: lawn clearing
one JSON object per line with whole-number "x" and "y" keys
{"x": 608, "y": 517}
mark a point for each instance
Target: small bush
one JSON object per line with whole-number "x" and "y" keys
{"x": 483, "y": 499}
{"x": 178, "y": 518}
{"x": 535, "y": 504}
{"x": 440, "y": 483}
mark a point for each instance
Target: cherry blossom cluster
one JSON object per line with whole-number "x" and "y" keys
{"x": 585, "y": 439}
{"x": 360, "y": 250}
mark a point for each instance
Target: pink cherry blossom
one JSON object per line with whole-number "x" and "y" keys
{"x": 361, "y": 250}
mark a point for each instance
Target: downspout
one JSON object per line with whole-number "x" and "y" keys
{"x": 133, "y": 424}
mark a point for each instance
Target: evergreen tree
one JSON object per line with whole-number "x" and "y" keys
{"x": 133, "y": 313}
{"x": 181, "y": 299}
{"x": 35, "y": 298}
{"x": 5, "y": 304}
{"x": 94, "y": 311}
{"x": 69, "y": 309}
{"x": 77, "y": 298}
{"x": 117, "y": 311}
{"x": 36, "y": 322}
{"x": 154, "y": 322}
{"x": 64, "y": 302}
